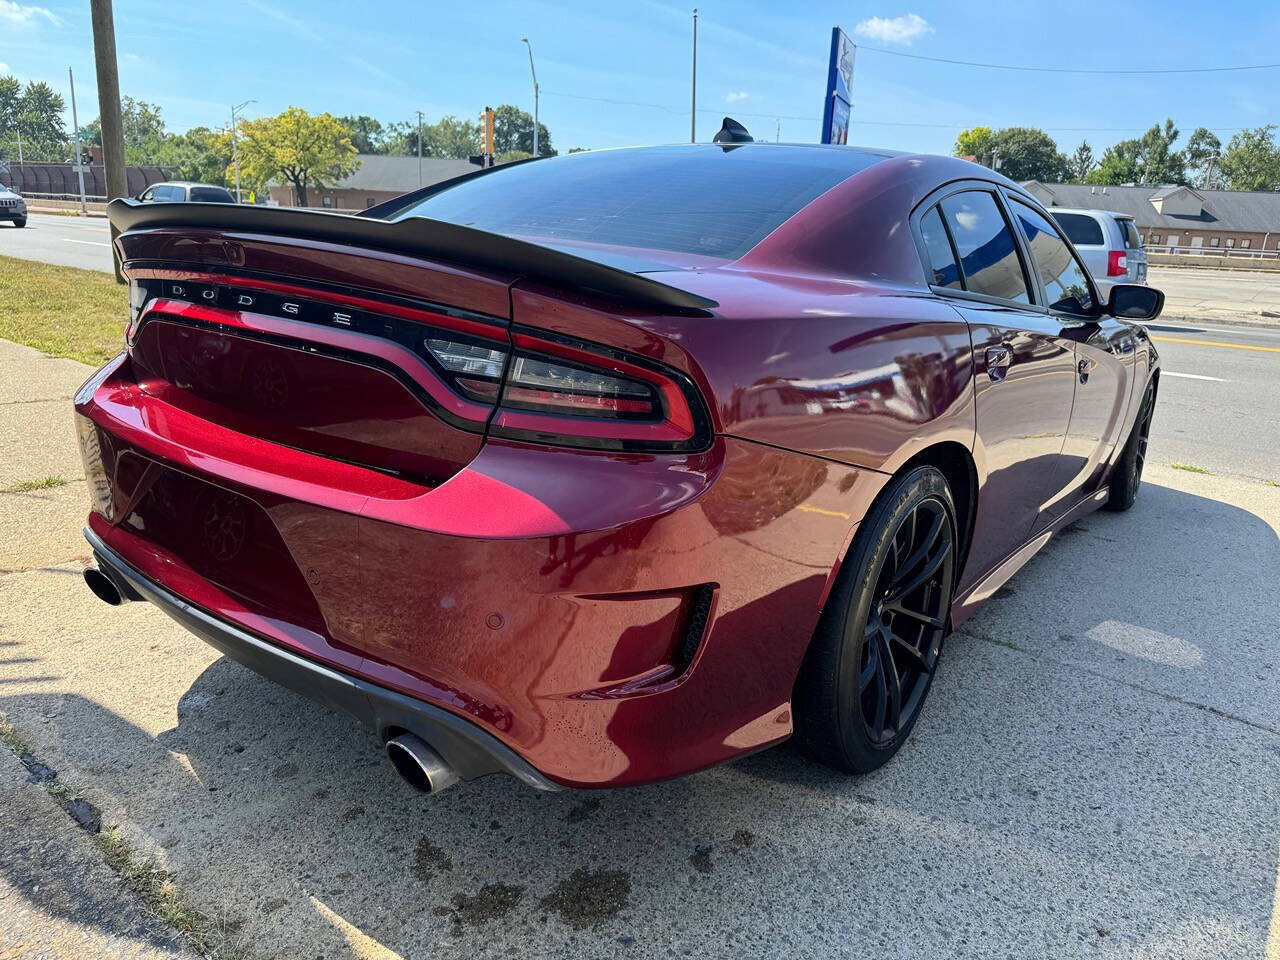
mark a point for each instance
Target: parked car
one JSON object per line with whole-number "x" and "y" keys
{"x": 1109, "y": 244}
{"x": 601, "y": 469}
{"x": 12, "y": 207}
{"x": 181, "y": 191}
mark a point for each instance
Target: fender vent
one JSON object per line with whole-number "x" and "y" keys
{"x": 698, "y": 611}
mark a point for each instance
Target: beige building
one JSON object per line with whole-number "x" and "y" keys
{"x": 378, "y": 178}
{"x": 1179, "y": 216}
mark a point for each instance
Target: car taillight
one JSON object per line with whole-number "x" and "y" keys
{"x": 564, "y": 392}
{"x": 1117, "y": 263}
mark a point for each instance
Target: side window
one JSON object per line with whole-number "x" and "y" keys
{"x": 988, "y": 255}
{"x": 942, "y": 268}
{"x": 1066, "y": 285}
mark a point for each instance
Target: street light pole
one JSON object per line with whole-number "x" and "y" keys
{"x": 235, "y": 150}
{"x": 75, "y": 122}
{"x": 693, "y": 109}
{"x": 535, "y": 94}
{"x": 419, "y": 113}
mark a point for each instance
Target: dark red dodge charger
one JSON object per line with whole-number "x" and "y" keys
{"x": 601, "y": 469}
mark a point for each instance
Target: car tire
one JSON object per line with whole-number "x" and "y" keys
{"x": 847, "y": 715}
{"x": 1127, "y": 475}
{"x": 20, "y": 223}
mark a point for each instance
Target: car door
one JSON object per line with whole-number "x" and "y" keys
{"x": 1103, "y": 348}
{"x": 1023, "y": 367}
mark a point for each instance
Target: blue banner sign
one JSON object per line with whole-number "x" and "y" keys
{"x": 835, "y": 116}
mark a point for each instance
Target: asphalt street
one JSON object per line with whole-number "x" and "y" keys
{"x": 69, "y": 241}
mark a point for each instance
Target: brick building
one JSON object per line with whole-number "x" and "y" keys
{"x": 1179, "y": 216}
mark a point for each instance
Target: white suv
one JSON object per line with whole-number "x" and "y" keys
{"x": 1109, "y": 244}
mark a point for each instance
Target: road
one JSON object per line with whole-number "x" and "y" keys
{"x": 1219, "y": 404}
{"x": 1094, "y": 774}
{"x": 68, "y": 241}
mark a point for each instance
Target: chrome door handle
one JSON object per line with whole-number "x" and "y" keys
{"x": 998, "y": 360}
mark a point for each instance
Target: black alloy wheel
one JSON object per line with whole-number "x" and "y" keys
{"x": 875, "y": 651}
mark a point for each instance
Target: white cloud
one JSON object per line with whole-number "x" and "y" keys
{"x": 4, "y": 68}
{"x": 903, "y": 29}
{"x": 24, "y": 14}
{"x": 736, "y": 96}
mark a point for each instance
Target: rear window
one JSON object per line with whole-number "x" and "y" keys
{"x": 210, "y": 195}
{"x": 708, "y": 200}
{"x": 1132, "y": 239}
{"x": 1080, "y": 229}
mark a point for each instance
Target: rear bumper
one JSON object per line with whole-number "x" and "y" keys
{"x": 607, "y": 618}
{"x": 467, "y": 748}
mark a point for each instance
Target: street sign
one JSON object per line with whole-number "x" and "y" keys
{"x": 839, "y": 100}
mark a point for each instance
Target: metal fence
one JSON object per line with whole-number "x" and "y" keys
{"x": 1238, "y": 253}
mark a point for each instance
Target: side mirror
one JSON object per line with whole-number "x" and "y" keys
{"x": 1133, "y": 301}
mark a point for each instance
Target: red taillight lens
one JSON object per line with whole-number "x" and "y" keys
{"x": 1117, "y": 263}
{"x": 558, "y": 391}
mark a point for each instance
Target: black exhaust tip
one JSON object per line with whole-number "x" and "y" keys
{"x": 102, "y": 586}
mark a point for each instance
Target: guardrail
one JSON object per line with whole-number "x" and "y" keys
{"x": 89, "y": 197}
{"x": 1230, "y": 252}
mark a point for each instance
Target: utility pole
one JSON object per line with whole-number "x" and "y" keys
{"x": 75, "y": 122}
{"x": 235, "y": 150}
{"x": 104, "y": 56}
{"x": 19, "y": 129}
{"x": 693, "y": 109}
{"x": 535, "y": 95}
{"x": 419, "y": 113}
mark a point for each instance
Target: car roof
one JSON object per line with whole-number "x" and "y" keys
{"x": 184, "y": 183}
{"x": 1092, "y": 213}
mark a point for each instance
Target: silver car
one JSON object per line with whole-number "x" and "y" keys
{"x": 12, "y": 206}
{"x": 1109, "y": 244}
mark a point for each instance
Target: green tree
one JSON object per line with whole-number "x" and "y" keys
{"x": 37, "y": 112}
{"x": 10, "y": 101}
{"x": 1149, "y": 160}
{"x": 513, "y": 130}
{"x": 200, "y": 154}
{"x": 1252, "y": 160}
{"x": 1025, "y": 153}
{"x": 367, "y": 134}
{"x": 447, "y": 137}
{"x": 1020, "y": 153}
{"x": 1080, "y": 163}
{"x": 141, "y": 127}
{"x": 1161, "y": 163}
{"x": 1202, "y": 153}
{"x": 298, "y": 148}
{"x": 1119, "y": 164}
{"x": 976, "y": 143}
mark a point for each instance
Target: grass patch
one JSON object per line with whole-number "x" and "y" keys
{"x": 63, "y": 311}
{"x": 11, "y": 738}
{"x": 161, "y": 895}
{"x": 1189, "y": 467}
{"x": 43, "y": 483}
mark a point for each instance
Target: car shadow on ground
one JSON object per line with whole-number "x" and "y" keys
{"x": 1096, "y": 765}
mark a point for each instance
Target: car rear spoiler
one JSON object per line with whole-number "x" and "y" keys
{"x": 417, "y": 236}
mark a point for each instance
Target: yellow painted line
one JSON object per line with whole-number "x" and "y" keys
{"x": 810, "y": 508}
{"x": 1215, "y": 343}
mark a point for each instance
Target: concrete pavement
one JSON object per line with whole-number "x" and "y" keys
{"x": 1094, "y": 774}
{"x": 1235, "y": 296}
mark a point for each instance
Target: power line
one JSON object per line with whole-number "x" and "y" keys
{"x": 1110, "y": 72}
{"x": 857, "y": 120}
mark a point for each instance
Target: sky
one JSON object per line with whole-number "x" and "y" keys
{"x": 616, "y": 74}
